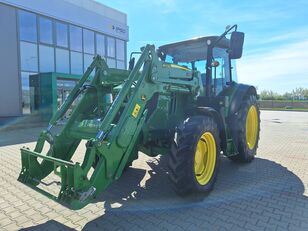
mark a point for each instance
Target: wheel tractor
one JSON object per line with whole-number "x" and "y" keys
{"x": 181, "y": 100}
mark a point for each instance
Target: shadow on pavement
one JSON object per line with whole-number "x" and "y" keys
{"x": 19, "y": 136}
{"x": 254, "y": 193}
{"x": 51, "y": 225}
{"x": 261, "y": 194}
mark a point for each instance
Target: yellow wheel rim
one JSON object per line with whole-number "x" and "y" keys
{"x": 252, "y": 127}
{"x": 205, "y": 158}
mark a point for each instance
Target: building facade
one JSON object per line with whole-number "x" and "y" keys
{"x": 59, "y": 36}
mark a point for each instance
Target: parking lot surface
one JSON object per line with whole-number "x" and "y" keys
{"x": 271, "y": 193}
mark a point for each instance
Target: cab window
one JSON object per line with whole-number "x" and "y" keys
{"x": 220, "y": 73}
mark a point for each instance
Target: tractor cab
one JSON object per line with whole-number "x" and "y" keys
{"x": 212, "y": 56}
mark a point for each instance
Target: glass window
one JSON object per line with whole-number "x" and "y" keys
{"x": 25, "y": 87}
{"x": 61, "y": 34}
{"x": 88, "y": 41}
{"x": 26, "y": 92}
{"x": 76, "y": 63}
{"x": 110, "y": 47}
{"x": 28, "y": 56}
{"x": 62, "y": 61}
{"x": 120, "y": 64}
{"x": 27, "y": 26}
{"x": 75, "y": 38}
{"x": 100, "y": 45}
{"x": 220, "y": 74}
{"x": 46, "y": 31}
{"x": 233, "y": 70}
{"x": 88, "y": 59}
{"x": 64, "y": 88}
{"x": 120, "y": 49}
{"x": 111, "y": 63}
{"x": 47, "y": 59}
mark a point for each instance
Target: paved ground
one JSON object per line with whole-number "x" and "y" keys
{"x": 269, "y": 194}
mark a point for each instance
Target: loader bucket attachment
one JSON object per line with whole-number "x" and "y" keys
{"x": 32, "y": 173}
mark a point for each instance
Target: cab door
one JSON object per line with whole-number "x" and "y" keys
{"x": 221, "y": 75}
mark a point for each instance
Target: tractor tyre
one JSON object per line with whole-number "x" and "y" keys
{"x": 249, "y": 130}
{"x": 194, "y": 157}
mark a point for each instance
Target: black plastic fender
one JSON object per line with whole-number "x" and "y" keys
{"x": 239, "y": 93}
{"x": 209, "y": 111}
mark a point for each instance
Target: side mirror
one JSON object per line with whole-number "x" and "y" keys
{"x": 131, "y": 64}
{"x": 236, "y": 45}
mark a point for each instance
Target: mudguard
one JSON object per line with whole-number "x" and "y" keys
{"x": 238, "y": 94}
{"x": 208, "y": 111}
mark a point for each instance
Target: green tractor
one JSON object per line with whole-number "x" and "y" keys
{"x": 181, "y": 100}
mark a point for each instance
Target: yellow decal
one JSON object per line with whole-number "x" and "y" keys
{"x": 136, "y": 110}
{"x": 168, "y": 65}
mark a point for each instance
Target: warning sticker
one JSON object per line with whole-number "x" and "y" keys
{"x": 136, "y": 110}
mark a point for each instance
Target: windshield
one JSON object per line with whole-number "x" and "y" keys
{"x": 221, "y": 74}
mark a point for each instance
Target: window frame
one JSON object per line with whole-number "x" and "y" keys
{"x": 39, "y": 17}
{"x": 56, "y": 35}
{"x": 20, "y": 56}
{"x": 19, "y": 26}
{"x": 34, "y": 40}
{"x": 68, "y": 54}
{"x": 104, "y": 44}
{"x": 83, "y": 41}
{"x": 39, "y": 57}
{"x": 107, "y": 44}
{"x": 70, "y": 42}
{"x": 82, "y": 64}
{"x": 117, "y": 49}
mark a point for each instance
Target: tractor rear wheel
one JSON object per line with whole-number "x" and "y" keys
{"x": 194, "y": 157}
{"x": 249, "y": 130}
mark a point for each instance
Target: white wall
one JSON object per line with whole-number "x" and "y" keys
{"x": 10, "y": 101}
{"x": 101, "y": 9}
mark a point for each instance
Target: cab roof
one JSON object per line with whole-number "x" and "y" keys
{"x": 193, "y": 49}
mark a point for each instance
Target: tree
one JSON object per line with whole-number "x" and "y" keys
{"x": 298, "y": 93}
{"x": 268, "y": 95}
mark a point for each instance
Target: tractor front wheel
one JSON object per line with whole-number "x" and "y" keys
{"x": 194, "y": 158}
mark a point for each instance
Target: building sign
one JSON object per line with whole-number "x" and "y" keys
{"x": 118, "y": 29}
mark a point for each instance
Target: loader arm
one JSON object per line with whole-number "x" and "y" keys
{"x": 111, "y": 129}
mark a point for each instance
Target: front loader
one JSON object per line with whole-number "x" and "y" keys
{"x": 180, "y": 100}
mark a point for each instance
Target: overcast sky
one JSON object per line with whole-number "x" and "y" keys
{"x": 276, "y": 33}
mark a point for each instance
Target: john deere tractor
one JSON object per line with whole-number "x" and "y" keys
{"x": 180, "y": 100}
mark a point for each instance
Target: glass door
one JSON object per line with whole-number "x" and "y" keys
{"x": 64, "y": 88}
